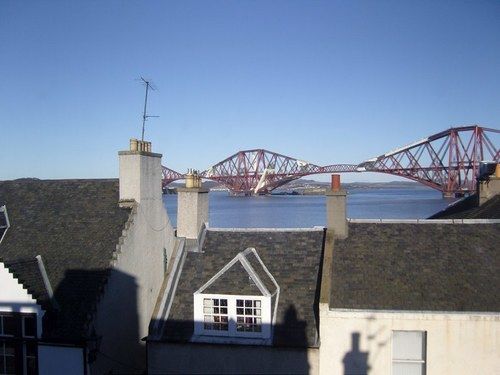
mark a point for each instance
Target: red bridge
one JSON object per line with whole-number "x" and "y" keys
{"x": 448, "y": 161}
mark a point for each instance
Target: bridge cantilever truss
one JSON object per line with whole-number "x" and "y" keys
{"x": 260, "y": 171}
{"x": 447, "y": 161}
{"x": 169, "y": 175}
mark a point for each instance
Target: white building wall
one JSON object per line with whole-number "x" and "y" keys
{"x": 60, "y": 360}
{"x": 124, "y": 313}
{"x": 14, "y": 298}
{"x": 457, "y": 343}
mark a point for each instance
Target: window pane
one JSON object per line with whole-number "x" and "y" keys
{"x": 31, "y": 349}
{"x": 9, "y": 325}
{"x": 29, "y": 326}
{"x": 9, "y": 349}
{"x": 408, "y": 368}
{"x": 10, "y": 365}
{"x": 31, "y": 366}
{"x": 215, "y": 317}
{"x": 408, "y": 345}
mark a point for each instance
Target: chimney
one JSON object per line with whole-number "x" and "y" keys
{"x": 489, "y": 185}
{"x": 140, "y": 174}
{"x": 192, "y": 207}
{"x": 336, "y": 208}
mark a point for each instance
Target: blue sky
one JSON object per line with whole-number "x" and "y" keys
{"x": 324, "y": 81}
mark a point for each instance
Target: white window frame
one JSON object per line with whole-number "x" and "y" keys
{"x": 199, "y": 327}
{"x": 23, "y": 318}
{"x": 422, "y": 361}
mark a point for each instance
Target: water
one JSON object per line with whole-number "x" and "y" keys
{"x": 292, "y": 211}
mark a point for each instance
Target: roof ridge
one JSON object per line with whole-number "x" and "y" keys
{"x": 425, "y": 221}
{"x": 308, "y": 229}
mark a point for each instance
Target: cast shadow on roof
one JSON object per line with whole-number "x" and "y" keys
{"x": 288, "y": 354}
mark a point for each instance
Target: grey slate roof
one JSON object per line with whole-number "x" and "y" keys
{"x": 75, "y": 226}
{"x": 292, "y": 257}
{"x": 468, "y": 208}
{"x": 439, "y": 267}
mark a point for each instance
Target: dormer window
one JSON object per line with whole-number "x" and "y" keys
{"x": 244, "y": 308}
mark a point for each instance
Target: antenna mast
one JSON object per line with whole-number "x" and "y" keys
{"x": 145, "y": 116}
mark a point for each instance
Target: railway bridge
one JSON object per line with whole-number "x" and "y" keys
{"x": 448, "y": 161}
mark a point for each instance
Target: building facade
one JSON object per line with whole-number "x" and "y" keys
{"x": 104, "y": 245}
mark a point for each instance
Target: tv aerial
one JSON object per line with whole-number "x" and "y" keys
{"x": 149, "y": 86}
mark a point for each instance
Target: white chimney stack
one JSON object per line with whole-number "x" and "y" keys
{"x": 140, "y": 174}
{"x": 192, "y": 207}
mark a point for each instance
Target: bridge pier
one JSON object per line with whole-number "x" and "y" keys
{"x": 454, "y": 194}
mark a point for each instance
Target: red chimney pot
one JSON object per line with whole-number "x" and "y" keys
{"x": 335, "y": 182}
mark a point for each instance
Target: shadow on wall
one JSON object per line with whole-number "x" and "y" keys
{"x": 113, "y": 336}
{"x": 355, "y": 361}
{"x": 174, "y": 353}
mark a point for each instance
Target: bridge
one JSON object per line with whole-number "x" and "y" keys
{"x": 448, "y": 161}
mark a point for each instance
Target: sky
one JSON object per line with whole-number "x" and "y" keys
{"x": 323, "y": 81}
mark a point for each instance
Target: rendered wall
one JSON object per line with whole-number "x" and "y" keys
{"x": 60, "y": 360}
{"x": 124, "y": 313}
{"x": 456, "y": 343}
{"x": 164, "y": 358}
{"x": 192, "y": 211}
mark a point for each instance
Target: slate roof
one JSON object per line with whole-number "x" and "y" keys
{"x": 75, "y": 226}
{"x": 293, "y": 257}
{"x": 438, "y": 267}
{"x": 28, "y": 273}
{"x": 468, "y": 208}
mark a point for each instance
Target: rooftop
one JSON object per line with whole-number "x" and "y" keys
{"x": 431, "y": 266}
{"x": 468, "y": 208}
{"x": 292, "y": 257}
{"x": 74, "y": 225}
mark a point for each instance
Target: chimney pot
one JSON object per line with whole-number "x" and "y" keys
{"x": 335, "y": 182}
{"x": 133, "y": 144}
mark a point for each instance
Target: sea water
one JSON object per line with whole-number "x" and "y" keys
{"x": 295, "y": 211}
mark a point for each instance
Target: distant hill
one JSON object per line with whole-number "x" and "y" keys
{"x": 303, "y": 183}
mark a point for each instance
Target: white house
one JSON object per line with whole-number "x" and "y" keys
{"x": 103, "y": 245}
{"x": 411, "y": 297}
